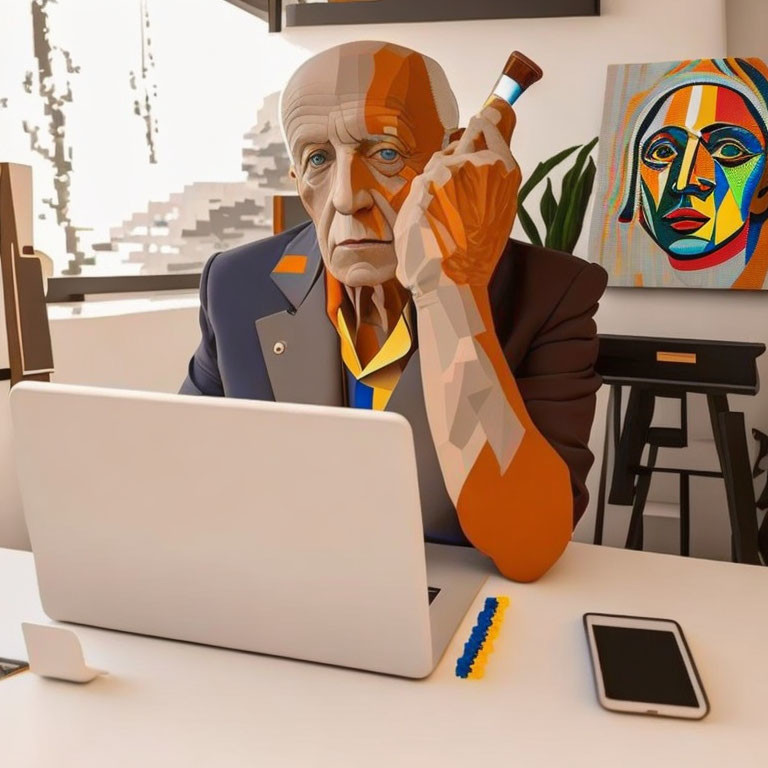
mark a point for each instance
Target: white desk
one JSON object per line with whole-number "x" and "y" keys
{"x": 176, "y": 704}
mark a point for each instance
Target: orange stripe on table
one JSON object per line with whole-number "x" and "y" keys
{"x": 291, "y": 264}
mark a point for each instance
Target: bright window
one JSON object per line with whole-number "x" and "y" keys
{"x": 150, "y": 126}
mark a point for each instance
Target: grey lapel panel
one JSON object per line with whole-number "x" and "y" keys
{"x": 295, "y": 287}
{"x": 437, "y": 510}
{"x": 301, "y": 352}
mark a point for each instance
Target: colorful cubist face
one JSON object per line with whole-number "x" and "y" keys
{"x": 682, "y": 192}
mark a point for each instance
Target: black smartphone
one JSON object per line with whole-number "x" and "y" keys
{"x": 644, "y": 666}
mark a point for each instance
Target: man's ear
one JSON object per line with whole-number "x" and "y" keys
{"x": 759, "y": 204}
{"x": 295, "y": 176}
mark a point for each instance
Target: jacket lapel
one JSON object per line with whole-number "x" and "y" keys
{"x": 302, "y": 354}
{"x": 300, "y": 346}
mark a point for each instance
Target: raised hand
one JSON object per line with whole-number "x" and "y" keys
{"x": 455, "y": 222}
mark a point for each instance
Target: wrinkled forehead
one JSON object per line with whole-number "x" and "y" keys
{"x": 371, "y": 88}
{"x": 697, "y": 107}
{"x": 328, "y": 77}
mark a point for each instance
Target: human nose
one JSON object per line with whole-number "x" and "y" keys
{"x": 351, "y": 188}
{"x": 697, "y": 171}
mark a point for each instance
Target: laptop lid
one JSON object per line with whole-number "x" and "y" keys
{"x": 286, "y": 529}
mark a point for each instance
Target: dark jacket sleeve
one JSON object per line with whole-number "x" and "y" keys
{"x": 557, "y": 378}
{"x": 203, "y": 376}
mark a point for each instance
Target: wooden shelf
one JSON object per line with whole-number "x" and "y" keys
{"x": 397, "y": 11}
{"x": 258, "y": 7}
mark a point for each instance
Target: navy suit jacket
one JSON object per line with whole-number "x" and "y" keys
{"x": 266, "y": 336}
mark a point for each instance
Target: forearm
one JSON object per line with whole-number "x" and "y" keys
{"x": 511, "y": 489}
{"x": 466, "y": 405}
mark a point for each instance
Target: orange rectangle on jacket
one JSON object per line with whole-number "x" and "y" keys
{"x": 291, "y": 264}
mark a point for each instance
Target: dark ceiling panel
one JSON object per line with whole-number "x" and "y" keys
{"x": 395, "y": 11}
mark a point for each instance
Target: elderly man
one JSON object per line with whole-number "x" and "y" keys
{"x": 404, "y": 294}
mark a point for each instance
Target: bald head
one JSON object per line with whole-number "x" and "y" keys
{"x": 371, "y": 72}
{"x": 361, "y": 121}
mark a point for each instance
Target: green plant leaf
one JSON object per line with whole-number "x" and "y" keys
{"x": 548, "y": 205}
{"x": 574, "y": 220}
{"x": 581, "y": 158}
{"x": 555, "y": 232}
{"x": 579, "y": 191}
{"x": 557, "y": 236}
{"x": 528, "y": 226}
{"x": 570, "y": 180}
{"x": 541, "y": 170}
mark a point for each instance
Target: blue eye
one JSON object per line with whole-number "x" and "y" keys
{"x": 388, "y": 155}
{"x": 316, "y": 159}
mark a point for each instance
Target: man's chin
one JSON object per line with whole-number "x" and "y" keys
{"x": 357, "y": 272}
{"x": 690, "y": 248}
{"x": 364, "y": 275}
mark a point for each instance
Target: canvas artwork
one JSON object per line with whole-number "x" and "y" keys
{"x": 682, "y": 192}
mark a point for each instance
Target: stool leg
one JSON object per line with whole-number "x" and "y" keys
{"x": 685, "y": 513}
{"x": 635, "y": 532}
{"x": 731, "y": 443}
{"x": 634, "y": 438}
{"x": 610, "y": 444}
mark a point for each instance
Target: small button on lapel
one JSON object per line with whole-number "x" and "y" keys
{"x": 279, "y": 347}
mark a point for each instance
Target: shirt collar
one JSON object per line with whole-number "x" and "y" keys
{"x": 396, "y": 346}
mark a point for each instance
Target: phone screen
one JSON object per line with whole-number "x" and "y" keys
{"x": 643, "y": 665}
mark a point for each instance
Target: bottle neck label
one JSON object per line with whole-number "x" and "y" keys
{"x": 507, "y": 89}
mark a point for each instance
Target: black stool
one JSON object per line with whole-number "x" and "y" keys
{"x": 671, "y": 368}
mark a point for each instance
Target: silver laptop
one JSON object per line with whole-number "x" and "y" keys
{"x": 284, "y": 529}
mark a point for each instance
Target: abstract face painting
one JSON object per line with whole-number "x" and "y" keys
{"x": 682, "y": 194}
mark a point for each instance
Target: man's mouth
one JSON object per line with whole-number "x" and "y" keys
{"x": 686, "y": 219}
{"x": 362, "y": 243}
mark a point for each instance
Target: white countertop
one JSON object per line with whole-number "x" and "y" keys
{"x": 110, "y": 305}
{"x": 176, "y": 704}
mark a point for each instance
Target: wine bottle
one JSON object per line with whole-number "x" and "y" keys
{"x": 518, "y": 75}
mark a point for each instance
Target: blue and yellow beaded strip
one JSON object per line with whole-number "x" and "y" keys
{"x": 471, "y": 664}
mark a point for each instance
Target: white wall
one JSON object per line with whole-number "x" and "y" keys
{"x": 12, "y": 530}
{"x": 149, "y": 350}
{"x": 747, "y": 28}
{"x": 145, "y": 345}
{"x": 138, "y": 349}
